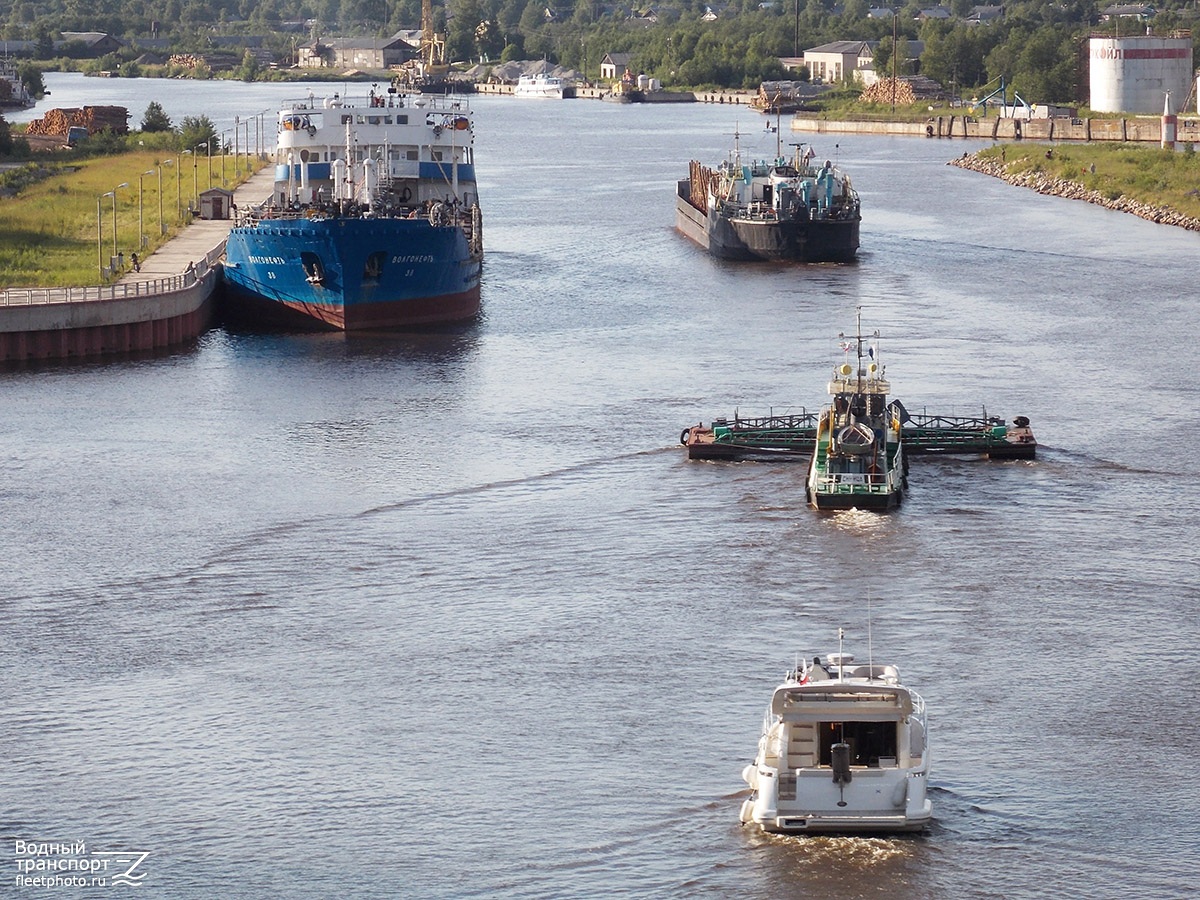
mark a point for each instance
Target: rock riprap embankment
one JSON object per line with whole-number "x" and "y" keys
{"x": 1073, "y": 190}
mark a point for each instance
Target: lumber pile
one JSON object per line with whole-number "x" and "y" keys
{"x": 93, "y": 118}
{"x": 909, "y": 89}
{"x": 882, "y": 92}
{"x": 186, "y": 60}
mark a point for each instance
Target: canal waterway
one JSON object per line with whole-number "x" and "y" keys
{"x": 451, "y": 615}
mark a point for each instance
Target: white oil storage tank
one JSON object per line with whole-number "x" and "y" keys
{"x": 1132, "y": 74}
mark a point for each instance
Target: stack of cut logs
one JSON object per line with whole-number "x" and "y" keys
{"x": 186, "y": 60}
{"x": 93, "y": 118}
{"x": 881, "y": 92}
{"x": 701, "y": 178}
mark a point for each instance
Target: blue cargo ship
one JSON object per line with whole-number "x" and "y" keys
{"x": 373, "y": 223}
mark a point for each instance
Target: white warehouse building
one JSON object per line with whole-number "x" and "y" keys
{"x": 1133, "y": 74}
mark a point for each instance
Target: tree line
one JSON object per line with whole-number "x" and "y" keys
{"x": 1038, "y": 46}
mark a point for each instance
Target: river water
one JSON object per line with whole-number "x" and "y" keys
{"x": 451, "y": 614}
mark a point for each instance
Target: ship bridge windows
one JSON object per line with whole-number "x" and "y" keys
{"x": 347, "y": 119}
{"x": 869, "y": 741}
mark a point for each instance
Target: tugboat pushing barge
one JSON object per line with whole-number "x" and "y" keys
{"x": 374, "y": 221}
{"x": 858, "y": 459}
{"x": 785, "y": 210}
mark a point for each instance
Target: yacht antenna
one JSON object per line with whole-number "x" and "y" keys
{"x": 841, "y": 658}
{"x": 870, "y": 650}
{"x": 858, "y": 337}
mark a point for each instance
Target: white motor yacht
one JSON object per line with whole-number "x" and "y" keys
{"x": 844, "y": 749}
{"x": 540, "y": 86}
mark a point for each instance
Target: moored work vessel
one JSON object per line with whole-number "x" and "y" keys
{"x": 374, "y": 221}
{"x": 13, "y": 92}
{"x": 858, "y": 458}
{"x": 843, "y": 749}
{"x": 780, "y": 209}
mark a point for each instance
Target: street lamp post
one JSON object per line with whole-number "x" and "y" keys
{"x": 195, "y": 167}
{"x": 141, "y": 241}
{"x": 209, "y": 146}
{"x": 166, "y": 162}
{"x": 100, "y": 235}
{"x": 114, "y": 196}
{"x": 178, "y": 196}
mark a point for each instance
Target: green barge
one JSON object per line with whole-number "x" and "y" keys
{"x": 794, "y": 436}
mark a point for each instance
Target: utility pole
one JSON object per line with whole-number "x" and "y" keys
{"x": 796, "y": 32}
{"x": 894, "y": 20}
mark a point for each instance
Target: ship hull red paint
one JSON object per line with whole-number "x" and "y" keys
{"x": 251, "y": 310}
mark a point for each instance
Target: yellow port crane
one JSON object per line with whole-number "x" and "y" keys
{"x": 433, "y": 45}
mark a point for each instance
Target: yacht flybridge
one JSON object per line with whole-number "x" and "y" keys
{"x": 843, "y": 749}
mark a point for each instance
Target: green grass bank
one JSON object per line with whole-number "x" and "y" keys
{"x": 59, "y": 228}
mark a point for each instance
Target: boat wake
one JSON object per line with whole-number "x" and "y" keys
{"x": 822, "y": 850}
{"x": 860, "y": 521}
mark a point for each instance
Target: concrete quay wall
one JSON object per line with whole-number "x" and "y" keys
{"x": 66, "y": 323}
{"x": 169, "y": 302}
{"x": 998, "y": 129}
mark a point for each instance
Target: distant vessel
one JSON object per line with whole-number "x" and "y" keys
{"x": 773, "y": 210}
{"x": 858, "y": 459}
{"x": 374, "y": 221}
{"x": 540, "y": 86}
{"x": 843, "y": 749}
{"x": 13, "y": 93}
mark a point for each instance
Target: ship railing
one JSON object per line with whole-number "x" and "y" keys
{"x": 759, "y": 210}
{"x": 930, "y": 420}
{"x": 10, "y": 297}
{"x": 848, "y": 481}
{"x": 771, "y": 422}
{"x": 274, "y": 213}
{"x": 433, "y": 102}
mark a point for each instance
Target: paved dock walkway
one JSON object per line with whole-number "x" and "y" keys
{"x": 202, "y": 236}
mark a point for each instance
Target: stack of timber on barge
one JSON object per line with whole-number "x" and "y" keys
{"x": 781, "y": 210}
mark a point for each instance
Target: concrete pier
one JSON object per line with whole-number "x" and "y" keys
{"x": 663, "y": 96}
{"x": 995, "y": 128}
{"x": 166, "y": 304}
